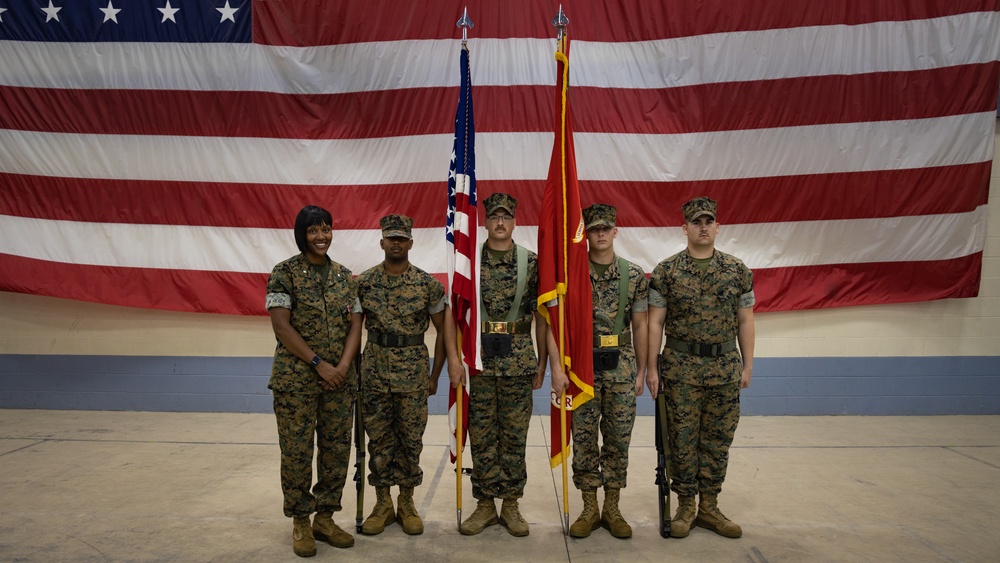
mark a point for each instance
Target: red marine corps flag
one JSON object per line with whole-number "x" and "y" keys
{"x": 564, "y": 293}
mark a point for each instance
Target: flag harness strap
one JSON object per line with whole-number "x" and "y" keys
{"x": 622, "y": 295}
{"x": 522, "y": 275}
{"x": 618, "y": 333}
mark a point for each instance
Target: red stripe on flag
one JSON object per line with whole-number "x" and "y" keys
{"x": 814, "y": 197}
{"x": 321, "y": 22}
{"x": 213, "y": 204}
{"x": 807, "y": 100}
{"x": 842, "y": 285}
{"x": 234, "y": 293}
{"x": 228, "y": 293}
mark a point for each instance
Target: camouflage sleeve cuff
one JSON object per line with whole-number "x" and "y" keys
{"x": 282, "y": 300}
{"x": 747, "y": 300}
{"x": 656, "y": 300}
{"x": 439, "y": 306}
{"x": 640, "y": 306}
{"x": 356, "y": 308}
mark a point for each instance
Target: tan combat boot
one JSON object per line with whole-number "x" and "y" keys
{"x": 680, "y": 526}
{"x": 407, "y": 513}
{"x": 485, "y": 515}
{"x": 382, "y": 515}
{"x": 711, "y": 518}
{"x": 590, "y": 518}
{"x": 511, "y": 517}
{"x": 324, "y": 529}
{"x": 611, "y": 517}
{"x": 303, "y": 542}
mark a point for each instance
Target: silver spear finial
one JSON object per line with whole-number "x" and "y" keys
{"x": 560, "y": 22}
{"x": 466, "y": 24}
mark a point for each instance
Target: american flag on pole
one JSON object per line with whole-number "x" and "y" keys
{"x": 564, "y": 290}
{"x": 154, "y": 153}
{"x": 463, "y": 257}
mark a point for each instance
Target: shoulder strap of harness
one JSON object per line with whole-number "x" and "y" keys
{"x": 622, "y": 295}
{"x": 522, "y": 282}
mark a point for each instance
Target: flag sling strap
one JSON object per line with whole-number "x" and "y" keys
{"x": 622, "y": 295}
{"x": 522, "y": 281}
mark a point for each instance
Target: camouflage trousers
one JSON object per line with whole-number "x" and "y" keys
{"x": 395, "y": 424}
{"x": 300, "y": 416}
{"x": 499, "y": 414}
{"x": 702, "y": 425}
{"x": 612, "y": 411}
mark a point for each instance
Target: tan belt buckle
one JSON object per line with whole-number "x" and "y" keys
{"x": 497, "y": 327}
{"x": 609, "y": 340}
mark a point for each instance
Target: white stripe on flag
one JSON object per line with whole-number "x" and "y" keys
{"x": 800, "y": 243}
{"x": 779, "y": 151}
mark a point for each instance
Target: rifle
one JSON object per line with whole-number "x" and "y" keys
{"x": 662, "y": 469}
{"x": 359, "y": 445}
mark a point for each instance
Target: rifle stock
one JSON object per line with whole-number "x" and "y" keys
{"x": 359, "y": 445}
{"x": 662, "y": 469}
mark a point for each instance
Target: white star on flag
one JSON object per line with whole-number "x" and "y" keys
{"x": 168, "y": 13}
{"x": 227, "y": 13}
{"x": 51, "y": 13}
{"x": 2, "y": 10}
{"x": 110, "y": 13}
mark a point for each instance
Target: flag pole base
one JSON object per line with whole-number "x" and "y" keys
{"x": 459, "y": 514}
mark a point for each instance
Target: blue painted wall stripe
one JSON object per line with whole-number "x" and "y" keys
{"x": 781, "y": 386}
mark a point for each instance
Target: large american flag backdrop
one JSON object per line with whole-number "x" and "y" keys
{"x": 154, "y": 153}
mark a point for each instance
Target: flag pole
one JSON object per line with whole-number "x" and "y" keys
{"x": 463, "y": 23}
{"x": 459, "y": 394}
{"x": 560, "y": 22}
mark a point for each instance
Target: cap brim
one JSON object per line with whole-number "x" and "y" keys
{"x": 701, "y": 214}
{"x": 498, "y": 208}
{"x": 600, "y": 223}
{"x": 396, "y": 234}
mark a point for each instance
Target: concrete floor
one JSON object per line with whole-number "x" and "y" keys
{"x": 141, "y": 486}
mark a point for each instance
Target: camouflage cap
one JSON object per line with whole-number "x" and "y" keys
{"x": 599, "y": 214}
{"x": 396, "y": 226}
{"x": 697, "y": 207}
{"x": 500, "y": 200}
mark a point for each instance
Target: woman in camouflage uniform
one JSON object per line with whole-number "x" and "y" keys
{"x": 316, "y": 318}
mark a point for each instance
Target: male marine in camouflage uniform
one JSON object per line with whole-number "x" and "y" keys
{"x": 612, "y": 410}
{"x": 399, "y": 301}
{"x": 312, "y": 301}
{"x": 500, "y": 402}
{"x": 702, "y": 301}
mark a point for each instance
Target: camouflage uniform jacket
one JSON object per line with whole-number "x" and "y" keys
{"x": 498, "y": 284}
{"x": 701, "y": 307}
{"x": 398, "y": 305}
{"x": 321, "y": 315}
{"x": 605, "y": 290}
